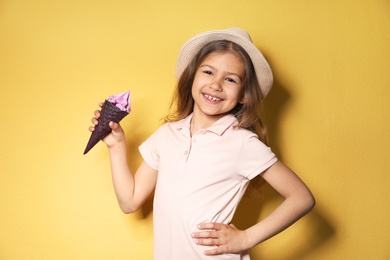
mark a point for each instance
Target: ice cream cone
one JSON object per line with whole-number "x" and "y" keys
{"x": 109, "y": 112}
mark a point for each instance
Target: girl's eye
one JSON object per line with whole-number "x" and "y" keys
{"x": 231, "y": 80}
{"x": 207, "y": 72}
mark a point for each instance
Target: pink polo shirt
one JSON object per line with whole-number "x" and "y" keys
{"x": 200, "y": 179}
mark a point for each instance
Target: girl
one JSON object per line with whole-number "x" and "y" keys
{"x": 199, "y": 163}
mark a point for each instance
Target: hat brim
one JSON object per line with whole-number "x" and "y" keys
{"x": 196, "y": 43}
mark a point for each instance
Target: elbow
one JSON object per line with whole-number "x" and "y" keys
{"x": 309, "y": 202}
{"x": 303, "y": 203}
{"x": 128, "y": 208}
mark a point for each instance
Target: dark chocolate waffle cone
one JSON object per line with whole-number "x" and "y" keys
{"x": 109, "y": 112}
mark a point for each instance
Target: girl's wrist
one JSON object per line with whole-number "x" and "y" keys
{"x": 119, "y": 145}
{"x": 249, "y": 243}
{"x": 252, "y": 237}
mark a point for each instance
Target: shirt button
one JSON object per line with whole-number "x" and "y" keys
{"x": 194, "y": 140}
{"x": 186, "y": 152}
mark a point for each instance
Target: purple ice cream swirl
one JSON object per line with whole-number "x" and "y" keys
{"x": 121, "y": 100}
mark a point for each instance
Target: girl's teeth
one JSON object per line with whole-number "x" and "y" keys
{"x": 212, "y": 98}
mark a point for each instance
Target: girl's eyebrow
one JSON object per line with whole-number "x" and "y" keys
{"x": 227, "y": 72}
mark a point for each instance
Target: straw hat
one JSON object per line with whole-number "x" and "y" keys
{"x": 236, "y": 35}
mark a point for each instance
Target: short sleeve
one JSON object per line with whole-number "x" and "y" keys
{"x": 148, "y": 150}
{"x": 255, "y": 157}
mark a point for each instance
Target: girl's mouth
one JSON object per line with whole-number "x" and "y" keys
{"x": 211, "y": 98}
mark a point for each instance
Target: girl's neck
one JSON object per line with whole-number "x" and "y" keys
{"x": 202, "y": 122}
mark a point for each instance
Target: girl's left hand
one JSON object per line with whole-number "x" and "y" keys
{"x": 221, "y": 238}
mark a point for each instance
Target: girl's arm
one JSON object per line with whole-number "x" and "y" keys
{"x": 298, "y": 202}
{"x": 131, "y": 191}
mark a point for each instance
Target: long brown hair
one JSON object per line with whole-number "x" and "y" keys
{"x": 248, "y": 113}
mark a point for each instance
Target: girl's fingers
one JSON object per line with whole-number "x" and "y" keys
{"x": 97, "y": 113}
{"x": 113, "y": 125}
{"x": 94, "y": 121}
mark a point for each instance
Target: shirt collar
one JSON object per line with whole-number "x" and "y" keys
{"x": 219, "y": 127}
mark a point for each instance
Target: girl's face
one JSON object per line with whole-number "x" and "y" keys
{"x": 217, "y": 86}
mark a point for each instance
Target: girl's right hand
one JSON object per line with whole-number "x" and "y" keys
{"x": 117, "y": 135}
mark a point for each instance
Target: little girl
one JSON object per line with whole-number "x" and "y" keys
{"x": 199, "y": 163}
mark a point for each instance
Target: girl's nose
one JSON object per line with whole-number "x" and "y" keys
{"x": 216, "y": 85}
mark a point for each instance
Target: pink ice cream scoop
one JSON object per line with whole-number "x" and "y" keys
{"x": 115, "y": 108}
{"x": 121, "y": 100}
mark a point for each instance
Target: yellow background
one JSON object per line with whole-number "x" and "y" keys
{"x": 328, "y": 117}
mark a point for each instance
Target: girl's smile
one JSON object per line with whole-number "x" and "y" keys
{"x": 217, "y": 86}
{"x": 211, "y": 98}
